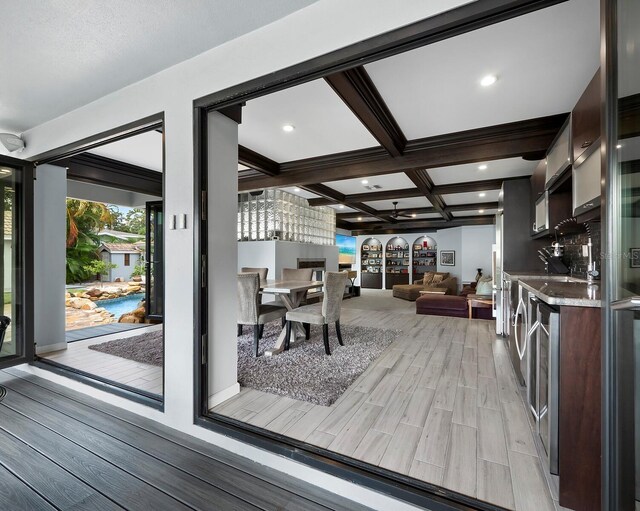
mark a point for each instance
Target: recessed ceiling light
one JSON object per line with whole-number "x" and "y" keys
{"x": 296, "y": 189}
{"x": 482, "y": 194}
{"x": 359, "y": 218}
{"x": 341, "y": 206}
{"x": 365, "y": 181}
{"x": 413, "y": 215}
{"x": 481, "y": 211}
{"x": 482, "y": 167}
{"x": 488, "y": 80}
{"x": 288, "y": 128}
{"x": 619, "y": 146}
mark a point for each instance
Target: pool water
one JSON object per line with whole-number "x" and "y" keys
{"x": 119, "y": 306}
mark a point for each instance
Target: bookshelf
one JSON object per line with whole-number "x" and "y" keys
{"x": 396, "y": 262}
{"x": 425, "y": 256}
{"x": 371, "y": 264}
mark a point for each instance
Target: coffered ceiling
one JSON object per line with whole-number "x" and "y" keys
{"x": 419, "y": 129}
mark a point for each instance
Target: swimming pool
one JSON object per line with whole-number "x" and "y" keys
{"x": 119, "y": 306}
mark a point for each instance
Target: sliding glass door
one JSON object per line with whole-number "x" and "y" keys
{"x": 13, "y": 174}
{"x": 621, "y": 452}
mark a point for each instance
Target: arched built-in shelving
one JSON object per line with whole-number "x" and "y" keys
{"x": 371, "y": 264}
{"x": 396, "y": 262}
{"x": 425, "y": 256}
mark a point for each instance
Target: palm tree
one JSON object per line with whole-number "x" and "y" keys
{"x": 84, "y": 220}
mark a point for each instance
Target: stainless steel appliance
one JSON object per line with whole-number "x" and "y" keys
{"x": 548, "y": 380}
{"x": 542, "y": 362}
{"x": 518, "y": 331}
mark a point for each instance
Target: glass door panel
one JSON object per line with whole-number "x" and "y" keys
{"x": 11, "y": 264}
{"x": 155, "y": 261}
{"x": 623, "y": 200}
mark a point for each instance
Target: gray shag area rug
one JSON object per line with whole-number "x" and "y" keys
{"x": 146, "y": 348}
{"x": 305, "y": 372}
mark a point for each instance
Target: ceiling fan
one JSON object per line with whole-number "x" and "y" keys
{"x": 395, "y": 214}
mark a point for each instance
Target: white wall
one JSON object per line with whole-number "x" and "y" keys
{"x": 477, "y": 243}
{"x": 49, "y": 244}
{"x": 324, "y": 26}
{"x": 223, "y": 256}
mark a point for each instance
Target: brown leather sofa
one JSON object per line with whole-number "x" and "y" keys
{"x": 412, "y": 291}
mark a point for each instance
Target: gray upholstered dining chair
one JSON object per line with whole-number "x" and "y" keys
{"x": 298, "y": 274}
{"x": 322, "y": 314}
{"x": 251, "y": 311}
{"x": 263, "y": 272}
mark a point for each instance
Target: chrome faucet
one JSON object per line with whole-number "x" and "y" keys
{"x": 592, "y": 272}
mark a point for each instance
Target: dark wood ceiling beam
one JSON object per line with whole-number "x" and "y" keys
{"x": 258, "y": 162}
{"x": 389, "y": 212}
{"x": 510, "y": 140}
{"x": 473, "y": 186}
{"x": 335, "y": 197}
{"x": 423, "y": 183}
{"x": 416, "y": 226}
{"x": 472, "y": 207}
{"x": 359, "y": 93}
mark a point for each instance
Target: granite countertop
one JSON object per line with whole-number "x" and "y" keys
{"x": 576, "y": 292}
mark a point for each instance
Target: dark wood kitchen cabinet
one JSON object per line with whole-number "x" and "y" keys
{"x": 585, "y": 120}
{"x": 579, "y": 425}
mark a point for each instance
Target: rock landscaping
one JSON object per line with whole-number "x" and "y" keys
{"x": 83, "y": 307}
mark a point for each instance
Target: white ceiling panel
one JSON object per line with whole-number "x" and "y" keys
{"x": 365, "y": 219}
{"x": 342, "y": 209}
{"x": 387, "y": 182}
{"x": 300, "y": 192}
{"x": 455, "y": 199}
{"x": 80, "y": 50}
{"x": 323, "y": 124}
{"x": 412, "y": 202}
{"x": 499, "y": 169}
{"x": 243, "y": 167}
{"x": 425, "y": 216}
{"x": 144, "y": 150}
{"x": 475, "y": 212}
{"x": 543, "y": 62}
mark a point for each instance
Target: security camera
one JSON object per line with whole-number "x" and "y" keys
{"x": 11, "y": 142}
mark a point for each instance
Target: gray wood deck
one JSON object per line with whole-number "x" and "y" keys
{"x": 60, "y": 449}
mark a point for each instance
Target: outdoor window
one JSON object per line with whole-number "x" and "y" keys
{"x": 127, "y": 262}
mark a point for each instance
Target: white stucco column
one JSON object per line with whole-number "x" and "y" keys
{"x": 50, "y": 232}
{"x": 222, "y": 220}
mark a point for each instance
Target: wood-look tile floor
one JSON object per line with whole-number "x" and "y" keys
{"x": 138, "y": 375}
{"x": 441, "y": 404}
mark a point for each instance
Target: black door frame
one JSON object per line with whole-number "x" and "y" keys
{"x": 455, "y": 22}
{"x": 151, "y": 122}
{"x": 151, "y": 256}
{"x": 24, "y": 264}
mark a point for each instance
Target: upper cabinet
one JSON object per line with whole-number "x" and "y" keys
{"x": 585, "y": 121}
{"x": 559, "y": 155}
{"x": 585, "y": 128}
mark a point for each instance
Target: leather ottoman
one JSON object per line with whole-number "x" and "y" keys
{"x": 442, "y": 305}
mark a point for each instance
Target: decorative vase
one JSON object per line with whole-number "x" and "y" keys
{"x": 479, "y": 274}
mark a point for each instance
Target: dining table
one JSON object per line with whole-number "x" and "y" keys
{"x": 291, "y": 293}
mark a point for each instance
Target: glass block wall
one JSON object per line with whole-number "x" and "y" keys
{"x": 275, "y": 213}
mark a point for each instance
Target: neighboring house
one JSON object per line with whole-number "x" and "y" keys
{"x": 107, "y": 235}
{"x": 124, "y": 255}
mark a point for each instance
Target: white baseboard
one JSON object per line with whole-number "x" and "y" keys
{"x": 223, "y": 395}
{"x": 47, "y": 348}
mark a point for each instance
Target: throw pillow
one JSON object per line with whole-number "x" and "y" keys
{"x": 437, "y": 279}
{"x": 484, "y": 286}
{"x": 428, "y": 277}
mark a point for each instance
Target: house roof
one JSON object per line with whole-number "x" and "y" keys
{"x": 126, "y": 248}
{"x": 120, "y": 234}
